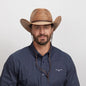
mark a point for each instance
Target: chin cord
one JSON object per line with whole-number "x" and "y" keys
{"x": 42, "y": 70}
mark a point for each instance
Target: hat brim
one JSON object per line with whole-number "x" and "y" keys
{"x": 26, "y": 24}
{"x": 57, "y": 22}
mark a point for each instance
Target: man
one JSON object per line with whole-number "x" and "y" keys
{"x": 40, "y": 64}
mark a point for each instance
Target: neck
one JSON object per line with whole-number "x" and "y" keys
{"x": 42, "y": 49}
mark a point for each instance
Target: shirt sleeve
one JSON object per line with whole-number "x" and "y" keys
{"x": 9, "y": 73}
{"x": 72, "y": 78}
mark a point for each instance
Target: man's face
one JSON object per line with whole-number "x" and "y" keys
{"x": 41, "y": 33}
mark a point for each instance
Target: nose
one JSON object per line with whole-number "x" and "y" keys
{"x": 42, "y": 31}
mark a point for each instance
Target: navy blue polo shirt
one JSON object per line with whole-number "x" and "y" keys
{"x": 20, "y": 69}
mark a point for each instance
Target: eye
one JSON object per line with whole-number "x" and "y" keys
{"x": 46, "y": 26}
{"x": 37, "y": 27}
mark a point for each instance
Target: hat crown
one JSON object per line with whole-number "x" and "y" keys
{"x": 40, "y": 14}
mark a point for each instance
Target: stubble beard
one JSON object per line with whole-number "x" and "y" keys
{"x": 42, "y": 42}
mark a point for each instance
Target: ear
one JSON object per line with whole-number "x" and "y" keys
{"x": 31, "y": 32}
{"x": 52, "y": 29}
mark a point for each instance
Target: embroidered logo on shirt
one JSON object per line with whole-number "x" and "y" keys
{"x": 58, "y": 70}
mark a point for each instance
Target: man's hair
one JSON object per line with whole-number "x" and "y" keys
{"x": 52, "y": 25}
{"x": 30, "y": 26}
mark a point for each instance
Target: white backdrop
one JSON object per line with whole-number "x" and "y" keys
{"x": 69, "y": 37}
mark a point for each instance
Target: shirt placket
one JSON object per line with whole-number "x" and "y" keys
{"x": 44, "y": 67}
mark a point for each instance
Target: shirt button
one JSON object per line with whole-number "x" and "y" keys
{"x": 42, "y": 74}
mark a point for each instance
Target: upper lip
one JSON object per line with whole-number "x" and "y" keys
{"x": 42, "y": 36}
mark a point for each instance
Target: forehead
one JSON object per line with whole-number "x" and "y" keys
{"x": 41, "y": 25}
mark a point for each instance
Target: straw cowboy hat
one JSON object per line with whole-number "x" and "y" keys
{"x": 40, "y": 16}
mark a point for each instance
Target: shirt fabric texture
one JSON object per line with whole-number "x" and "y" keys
{"x": 20, "y": 69}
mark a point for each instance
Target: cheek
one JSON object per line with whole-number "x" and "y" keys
{"x": 35, "y": 33}
{"x": 49, "y": 32}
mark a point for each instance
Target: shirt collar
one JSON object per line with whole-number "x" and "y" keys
{"x": 35, "y": 52}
